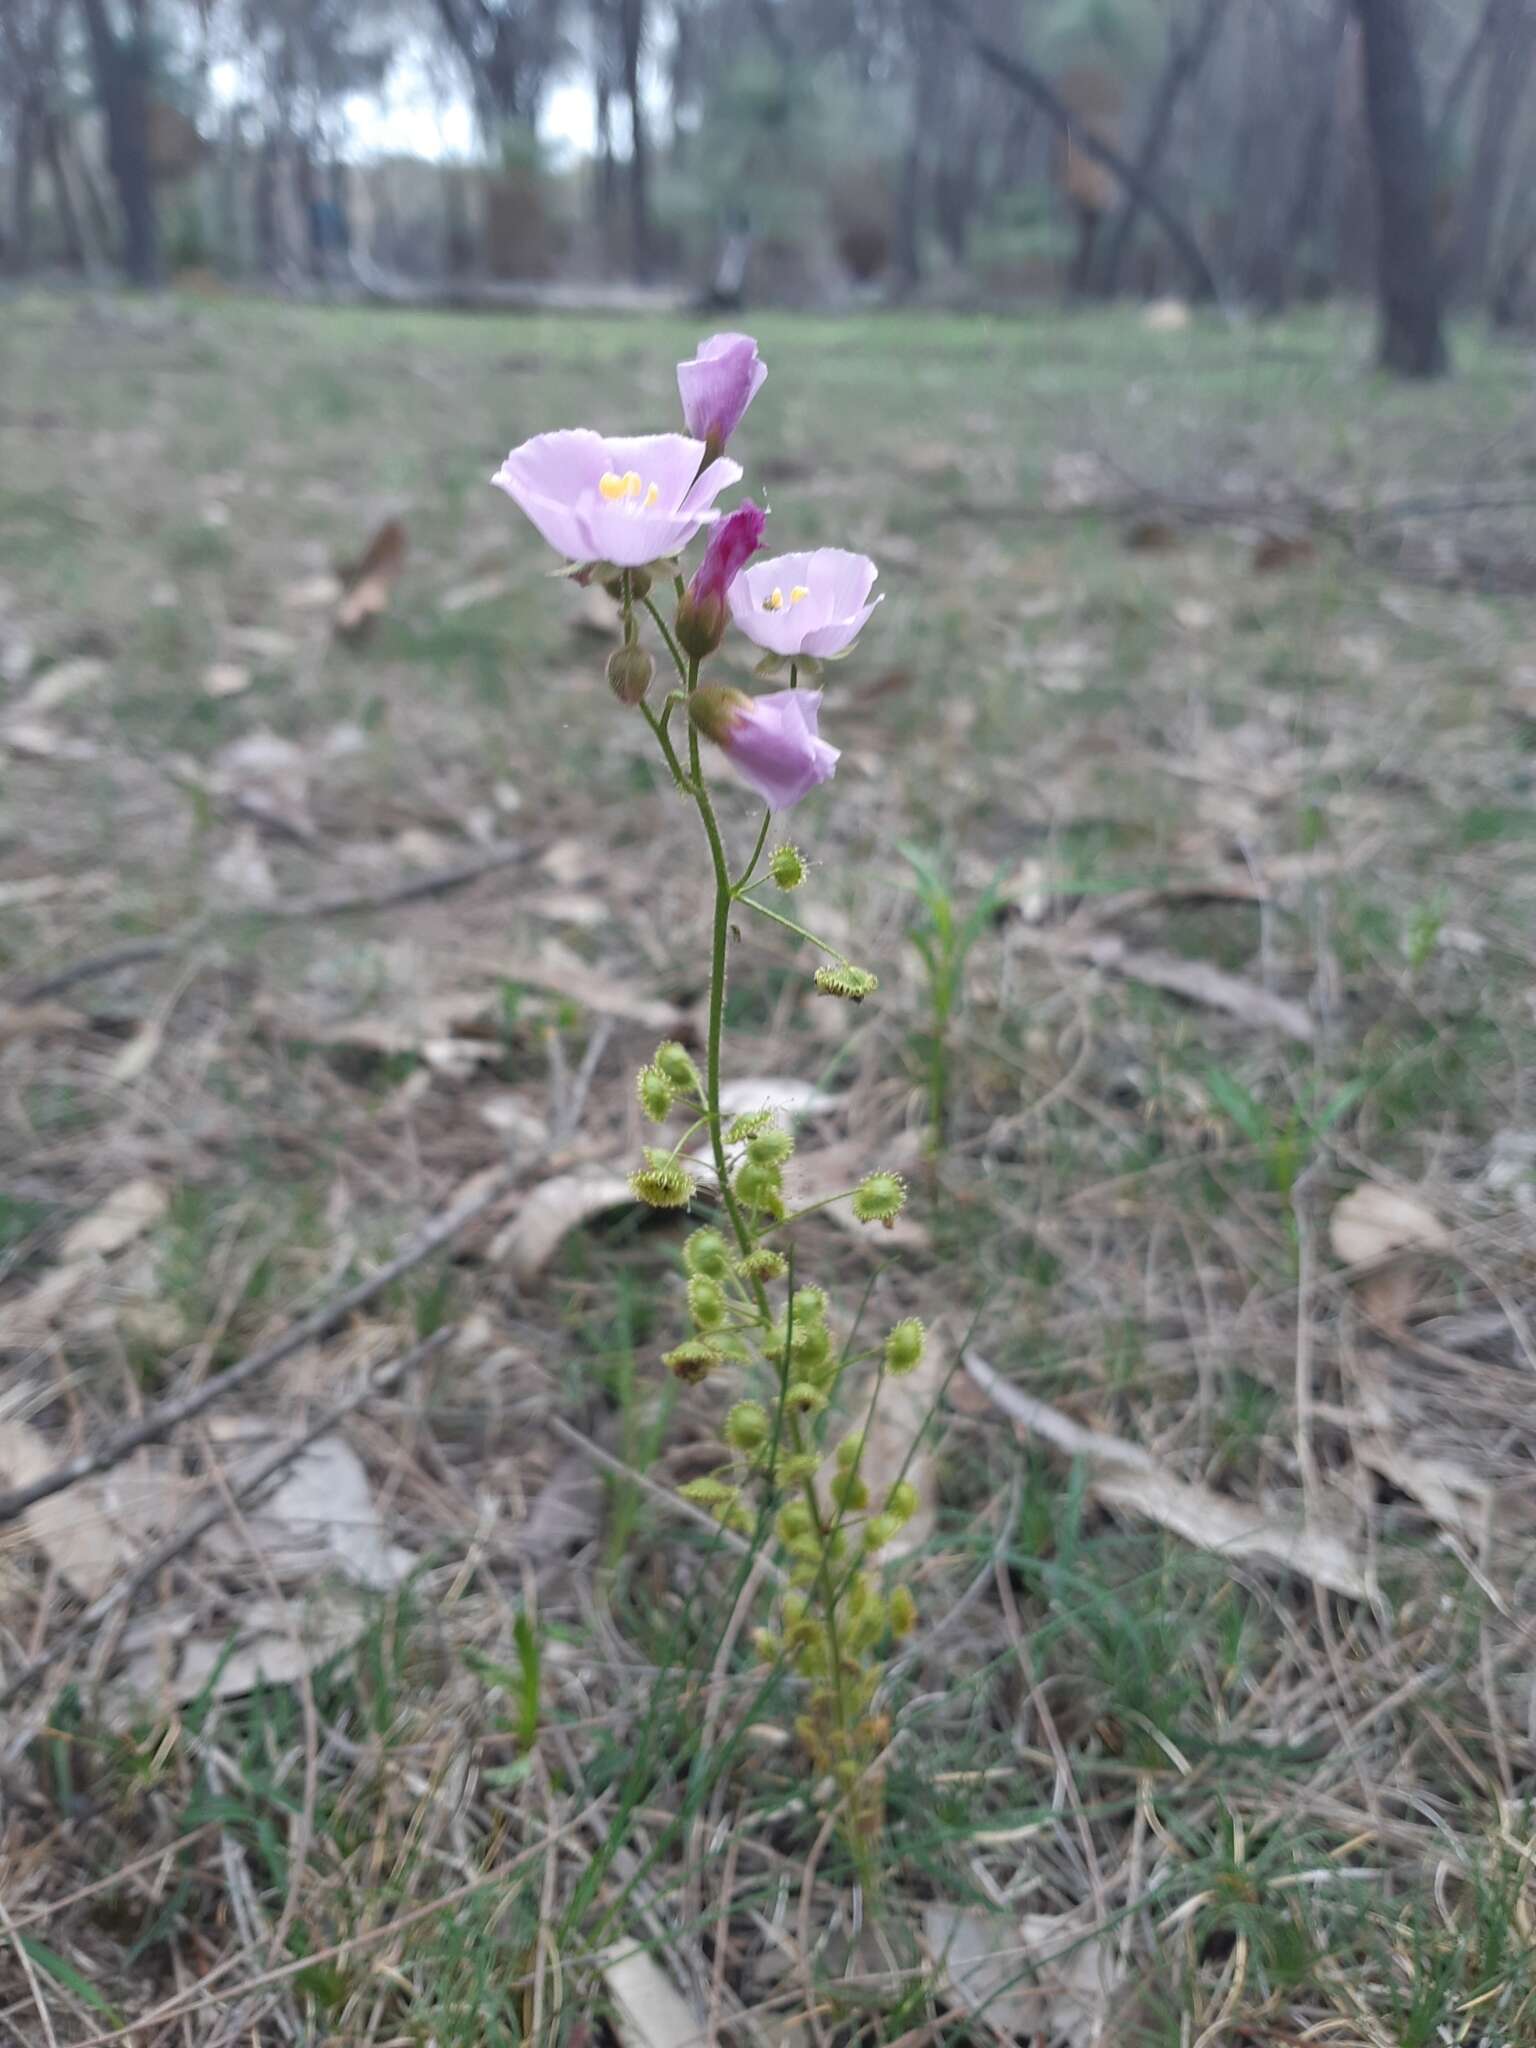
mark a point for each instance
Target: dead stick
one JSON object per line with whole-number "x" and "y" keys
{"x": 125, "y": 1591}
{"x": 165, "y": 1415}
{"x": 342, "y": 904}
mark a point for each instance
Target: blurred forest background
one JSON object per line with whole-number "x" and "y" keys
{"x": 799, "y": 152}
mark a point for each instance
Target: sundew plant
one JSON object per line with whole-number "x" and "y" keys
{"x": 622, "y": 511}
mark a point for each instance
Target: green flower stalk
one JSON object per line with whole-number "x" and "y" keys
{"x": 621, "y": 510}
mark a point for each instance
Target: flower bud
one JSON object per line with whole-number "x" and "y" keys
{"x": 613, "y": 582}
{"x": 693, "y": 1361}
{"x": 766, "y": 1644}
{"x": 716, "y": 709}
{"x": 849, "y": 1452}
{"x": 758, "y": 1187}
{"x": 705, "y": 1253}
{"x": 902, "y": 1502}
{"x": 707, "y": 1493}
{"x": 747, "y": 1125}
{"x": 662, "y": 1182}
{"x": 810, "y": 1304}
{"x": 904, "y": 1347}
{"x": 801, "y": 1398}
{"x": 852, "y": 984}
{"x": 630, "y": 670}
{"x": 798, "y": 1467}
{"x": 902, "y": 1611}
{"x": 794, "y": 1522}
{"x": 880, "y": 1530}
{"x": 762, "y": 1264}
{"x": 770, "y": 1147}
{"x": 880, "y": 1198}
{"x": 747, "y": 1427}
{"x": 850, "y": 1492}
{"x": 673, "y": 1061}
{"x": 706, "y": 1303}
{"x": 655, "y": 1093}
{"x": 787, "y": 867}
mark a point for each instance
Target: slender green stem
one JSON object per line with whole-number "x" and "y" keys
{"x": 794, "y": 675}
{"x": 757, "y": 853}
{"x": 665, "y": 740}
{"x": 666, "y": 633}
{"x": 778, "y": 917}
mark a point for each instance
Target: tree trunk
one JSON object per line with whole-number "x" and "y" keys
{"x": 23, "y": 163}
{"x": 121, "y": 64}
{"x": 1508, "y": 70}
{"x": 63, "y": 195}
{"x": 1027, "y": 80}
{"x": 1407, "y": 269}
{"x": 1186, "y": 54}
{"x": 631, "y": 32}
{"x": 1273, "y": 282}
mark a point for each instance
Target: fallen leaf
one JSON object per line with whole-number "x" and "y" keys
{"x": 479, "y": 590}
{"x": 34, "y": 739}
{"x": 242, "y": 871}
{"x": 273, "y": 1643}
{"x": 647, "y": 2011}
{"x": 565, "y": 1513}
{"x": 785, "y": 1095}
{"x": 28, "y": 1319}
{"x": 138, "y": 1055}
{"x": 225, "y": 679}
{"x": 311, "y": 593}
{"x": 1194, "y": 615}
{"x": 126, "y": 1214}
{"x": 319, "y": 1518}
{"x": 1124, "y": 1475}
{"x": 371, "y": 579}
{"x": 268, "y": 777}
{"x": 55, "y": 686}
{"x": 1372, "y": 1221}
{"x": 550, "y": 1213}
{"x": 1196, "y": 980}
{"x": 91, "y": 1533}
{"x": 1039, "y": 1978}
{"x": 263, "y": 643}
{"x": 1166, "y": 316}
{"x": 556, "y": 968}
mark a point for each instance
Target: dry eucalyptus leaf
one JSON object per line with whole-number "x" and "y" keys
{"x": 126, "y": 1214}
{"x": 263, "y": 643}
{"x": 478, "y": 590}
{"x": 551, "y": 1212}
{"x": 371, "y": 580}
{"x": 647, "y": 2011}
{"x": 226, "y": 679}
{"x": 269, "y": 1642}
{"x": 556, "y": 968}
{"x": 1039, "y": 1977}
{"x": 31, "y": 1316}
{"x": 320, "y": 1518}
{"x": 37, "y": 1020}
{"x": 138, "y": 1055}
{"x": 58, "y": 684}
{"x": 92, "y": 1533}
{"x": 1372, "y": 1221}
{"x": 268, "y": 777}
{"x": 1196, "y": 980}
{"x": 242, "y": 871}
{"x": 787, "y": 1097}
{"x": 34, "y": 739}
{"x": 311, "y": 593}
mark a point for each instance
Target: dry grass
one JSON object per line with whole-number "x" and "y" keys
{"x": 1274, "y": 1812}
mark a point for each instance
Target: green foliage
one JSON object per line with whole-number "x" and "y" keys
{"x": 943, "y": 940}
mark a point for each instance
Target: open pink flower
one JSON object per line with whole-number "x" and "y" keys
{"x": 811, "y": 604}
{"x": 628, "y": 501}
{"x": 718, "y": 385}
{"x": 770, "y": 741}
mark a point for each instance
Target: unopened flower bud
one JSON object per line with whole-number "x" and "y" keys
{"x": 662, "y": 1182}
{"x": 787, "y": 867}
{"x": 880, "y": 1530}
{"x": 902, "y": 1501}
{"x": 850, "y": 1492}
{"x": 639, "y": 582}
{"x": 708, "y": 1493}
{"x": 801, "y": 1398}
{"x": 747, "y": 1427}
{"x": 902, "y": 1611}
{"x": 706, "y": 1303}
{"x": 766, "y": 1644}
{"x": 852, "y": 984}
{"x": 762, "y": 1264}
{"x": 770, "y": 1147}
{"x": 904, "y": 1347}
{"x": 758, "y": 1187}
{"x": 692, "y": 1361}
{"x": 880, "y": 1198}
{"x": 849, "y": 1452}
{"x": 810, "y": 1304}
{"x": 655, "y": 1093}
{"x": 705, "y": 1253}
{"x": 630, "y": 670}
{"x": 673, "y": 1060}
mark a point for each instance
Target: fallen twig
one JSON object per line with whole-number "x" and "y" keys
{"x": 165, "y": 1415}
{"x": 1196, "y": 980}
{"x": 341, "y": 903}
{"x": 180, "y": 1540}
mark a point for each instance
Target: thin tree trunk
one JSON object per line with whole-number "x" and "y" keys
{"x": 1273, "y": 288}
{"x": 1407, "y": 270}
{"x": 1461, "y": 78}
{"x": 631, "y": 30}
{"x": 63, "y": 196}
{"x": 122, "y": 69}
{"x": 1508, "y": 70}
{"x": 1186, "y": 54}
{"x": 1027, "y": 80}
{"x": 23, "y": 164}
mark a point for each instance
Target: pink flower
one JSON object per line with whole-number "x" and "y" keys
{"x": 770, "y": 741}
{"x": 628, "y": 501}
{"x": 701, "y": 615}
{"x": 718, "y": 385}
{"x": 811, "y": 604}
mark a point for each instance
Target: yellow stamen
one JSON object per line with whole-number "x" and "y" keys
{"x": 774, "y": 602}
{"x": 617, "y": 489}
{"x": 797, "y": 593}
